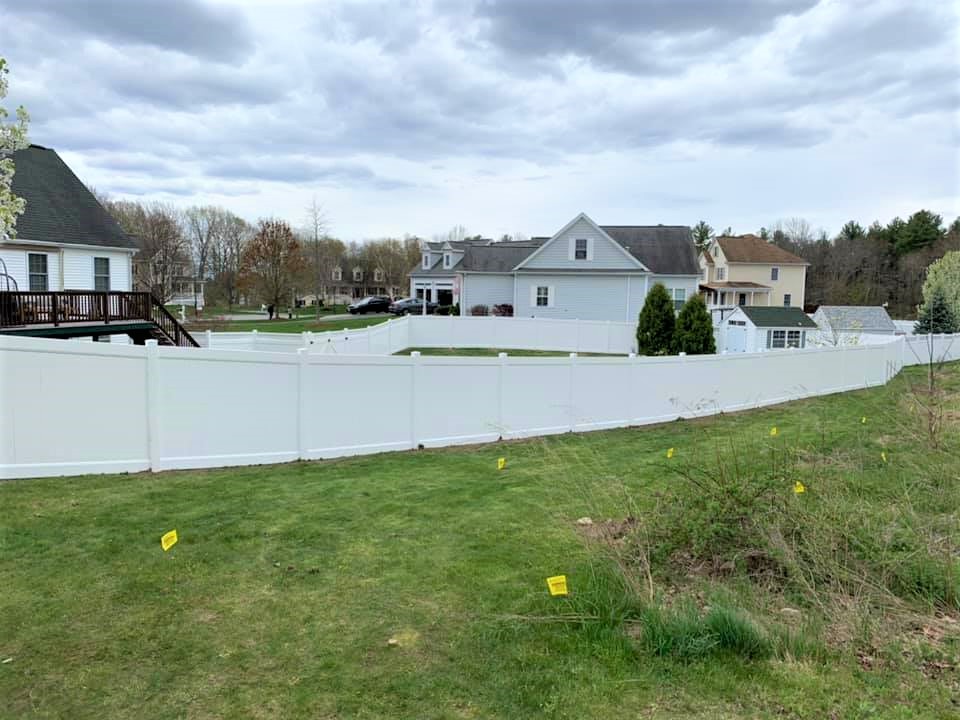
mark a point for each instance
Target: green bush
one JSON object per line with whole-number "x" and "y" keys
{"x": 936, "y": 315}
{"x": 657, "y": 322}
{"x": 694, "y": 330}
{"x": 684, "y": 633}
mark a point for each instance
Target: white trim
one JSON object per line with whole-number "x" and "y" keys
{"x": 66, "y": 246}
{"x": 599, "y": 230}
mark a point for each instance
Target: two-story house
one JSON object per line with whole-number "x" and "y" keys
{"x": 584, "y": 271}
{"x": 746, "y": 271}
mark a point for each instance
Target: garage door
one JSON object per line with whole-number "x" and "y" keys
{"x": 736, "y": 340}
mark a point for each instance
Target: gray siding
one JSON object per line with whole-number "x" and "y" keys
{"x": 577, "y": 297}
{"x": 607, "y": 255}
{"x": 486, "y": 290}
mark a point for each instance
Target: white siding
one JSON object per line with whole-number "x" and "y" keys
{"x": 78, "y": 269}
{"x": 606, "y": 255}
{"x": 16, "y": 262}
{"x": 486, "y": 290}
{"x": 576, "y": 297}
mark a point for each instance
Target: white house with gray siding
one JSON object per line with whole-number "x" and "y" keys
{"x": 585, "y": 271}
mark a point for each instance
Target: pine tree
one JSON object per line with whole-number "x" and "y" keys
{"x": 694, "y": 332}
{"x": 936, "y": 315}
{"x": 657, "y": 322}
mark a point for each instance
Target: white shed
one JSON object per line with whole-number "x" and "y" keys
{"x": 755, "y": 329}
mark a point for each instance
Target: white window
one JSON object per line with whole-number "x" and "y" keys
{"x": 337, "y": 274}
{"x": 721, "y": 273}
{"x": 378, "y": 275}
{"x": 776, "y": 338}
{"x": 716, "y": 251}
{"x": 37, "y": 271}
{"x": 101, "y": 274}
{"x": 357, "y": 275}
{"x": 774, "y": 274}
{"x": 447, "y": 260}
{"x": 543, "y": 296}
{"x": 426, "y": 261}
{"x": 679, "y": 298}
{"x": 580, "y": 249}
{"x": 786, "y": 300}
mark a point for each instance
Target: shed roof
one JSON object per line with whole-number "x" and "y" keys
{"x": 60, "y": 209}
{"x": 856, "y": 318}
{"x": 777, "y": 317}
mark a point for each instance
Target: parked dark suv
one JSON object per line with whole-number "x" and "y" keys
{"x": 412, "y": 306}
{"x": 374, "y": 303}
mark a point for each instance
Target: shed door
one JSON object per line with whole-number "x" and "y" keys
{"x": 736, "y": 338}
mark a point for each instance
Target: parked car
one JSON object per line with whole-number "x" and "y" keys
{"x": 374, "y": 303}
{"x": 412, "y": 306}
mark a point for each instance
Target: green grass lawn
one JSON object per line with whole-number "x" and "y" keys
{"x": 412, "y": 585}
{"x": 492, "y": 352}
{"x": 290, "y": 326}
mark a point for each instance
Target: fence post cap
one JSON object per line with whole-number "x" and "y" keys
{"x": 502, "y": 355}
{"x": 573, "y": 355}
{"x": 415, "y": 354}
{"x": 254, "y": 331}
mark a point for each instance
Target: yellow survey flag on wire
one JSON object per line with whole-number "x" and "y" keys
{"x": 557, "y": 585}
{"x": 168, "y": 540}
{"x": 501, "y": 463}
{"x": 863, "y": 420}
{"x": 670, "y": 453}
{"x": 774, "y": 432}
{"x": 799, "y": 487}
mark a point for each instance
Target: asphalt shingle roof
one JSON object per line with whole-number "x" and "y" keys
{"x": 778, "y": 317}
{"x": 60, "y": 208}
{"x": 855, "y": 318}
{"x": 665, "y": 249}
{"x": 753, "y": 249}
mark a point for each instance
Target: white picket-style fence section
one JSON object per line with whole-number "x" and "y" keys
{"x": 583, "y": 336}
{"x": 73, "y": 408}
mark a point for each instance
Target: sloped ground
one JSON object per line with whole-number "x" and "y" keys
{"x": 413, "y": 585}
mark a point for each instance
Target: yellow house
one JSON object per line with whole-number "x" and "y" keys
{"x": 747, "y": 270}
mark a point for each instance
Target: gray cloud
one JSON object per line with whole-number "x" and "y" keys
{"x": 191, "y": 27}
{"x": 299, "y": 169}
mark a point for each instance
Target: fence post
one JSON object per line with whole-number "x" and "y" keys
{"x": 578, "y": 335}
{"x": 253, "y": 339}
{"x": 301, "y": 404}
{"x": 500, "y": 373}
{"x": 390, "y": 336}
{"x": 209, "y": 334}
{"x": 450, "y": 329}
{"x": 414, "y": 371}
{"x": 573, "y": 372}
{"x": 608, "y": 335}
{"x": 153, "y": 404}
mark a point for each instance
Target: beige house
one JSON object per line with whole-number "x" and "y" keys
{"x": 749, "y": 271}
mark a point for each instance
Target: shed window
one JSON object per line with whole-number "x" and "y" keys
{"x": 543, "y": 296}
{"x": 775, "y": 274}
{"x": 37, "y": 269}
{"x": 795, "y": 338}
{"x": 580, "y": 249}
{"x": 101, "y": 274}
{"x": 738, "y": 323}
{"x": 786, "y": 300}
{"x": 776, "y": 338}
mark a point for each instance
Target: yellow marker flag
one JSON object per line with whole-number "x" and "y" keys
{"x": 799, "y": 487}
{"x": 168, "y": 540}
{"x": 774, "y": 432}
{"x": 557, "y": 585}
{"x": 501, "y": 463}
{"x": 670, "y": 453}
{"x": 863, "y": 420}
{"x": 883, "y": 455}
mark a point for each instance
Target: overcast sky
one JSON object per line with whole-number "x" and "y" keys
{"x": 504, "y": 116}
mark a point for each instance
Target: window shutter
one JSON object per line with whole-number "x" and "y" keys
{"x": 551, "y": 296}
{"x": 533, "y": 296}
{"x": 589, "y": 249}
{"x": 571, "y": 248}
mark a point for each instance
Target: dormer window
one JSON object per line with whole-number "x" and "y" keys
{"x": 337, "y": 274}
{"x": 426, "y": 261}
{"x": 378, "y": 275}
{"x": 447, "y": 260}
{"x": 357, "y": 275}
{"x": 580, "y": 250}
{"x": 716, "y": 251}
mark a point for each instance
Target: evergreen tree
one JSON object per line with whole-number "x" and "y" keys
{"x": 936, "y": 316}
{"x": 694, "y": 331}
{"x": 657, "y": 322}
{"x": 702, "y": 234}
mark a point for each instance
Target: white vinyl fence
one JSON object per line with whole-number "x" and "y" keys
{"x": 73, "y": 408}
{"x": 584, "y": 336}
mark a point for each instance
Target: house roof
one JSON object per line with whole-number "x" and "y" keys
{"x": 726, "y": 285}
{"x": 665, "y": 249}
{"x": 857, "y": 318}
{"x": 500, "y": 257}
{"x": 60, "y": 209}
{"x": 753, "y": 249}
{"x": 777, "y": 317}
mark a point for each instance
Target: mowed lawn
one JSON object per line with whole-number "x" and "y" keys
{"x": 406, "y": 585}
{"x": 291, "y": 326}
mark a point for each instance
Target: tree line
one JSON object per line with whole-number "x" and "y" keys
{"x": 269, "y": 262}
{"x": 863, "y": 265}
